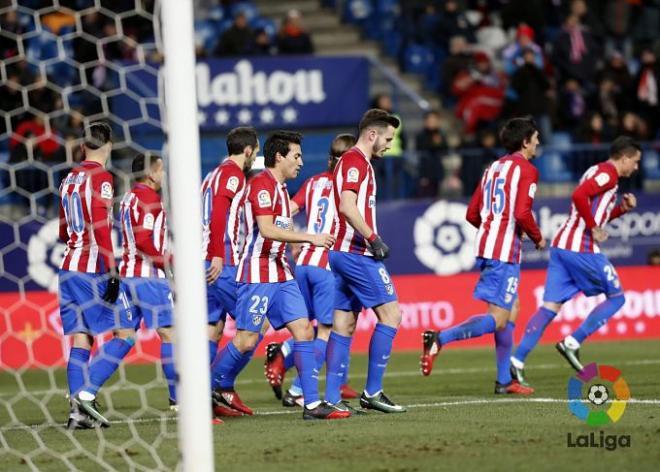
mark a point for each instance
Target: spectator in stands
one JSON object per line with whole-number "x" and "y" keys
{"x": 43, "y": 98}
{"x": 8, "y": 43}
{"x": 431, "y": 145}
{"x": 34, "y": 126}
{"x": 531, "y": 88}
{"x": 594, "y": 130}
{"x": 654, "y": 258}
{"x": 30, "y": 178}
{"x": 647, "y": 82}
{"x": 292, "y": 37}
{"x": 529, "y": 13}
{"x": 576, "y": 52}
{"x": 458, "y": 61}
{"x": 634, "y": 126}
{"x": 11, "y": 98}
{"x": 572, "y": 105}
{"x": 262, "y": 43}
{"x": 238, "y": 40}
{"x": 476, "y": 160}
{"x": 453, "y": 22}
{"x": 512, "y": 55}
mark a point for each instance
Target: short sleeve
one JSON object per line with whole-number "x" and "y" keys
{"x": 261, "y": 197}
{"x": 353, "y": 173}
{"x": 301, "y": 195}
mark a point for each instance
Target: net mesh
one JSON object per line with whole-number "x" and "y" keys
{"x": 64, "y": 65}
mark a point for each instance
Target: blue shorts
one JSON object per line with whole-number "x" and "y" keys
{"x": 281, "y": 302}
{"x": 150, "y": 299}
{"x": 360, "y": 282}
{"x": 498, "y": 282}
{"x": 81, "y": 306}
{"x": 317, "y": 286}
{"x": 221, "y": 295}
{"x": 572, "y": 272}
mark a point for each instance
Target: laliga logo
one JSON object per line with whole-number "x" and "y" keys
{"x": 444, "y": 240}
{"x": 598, "y": 394}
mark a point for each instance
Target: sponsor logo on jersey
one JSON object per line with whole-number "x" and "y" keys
{"x": 284, "y": 223}
{"x": 263, "y": 198}
{"x": 106, "y": 190}
{"x": 148, "y": 221}
{"x": 232, "y": 183}
{"x": 352, "y": 175}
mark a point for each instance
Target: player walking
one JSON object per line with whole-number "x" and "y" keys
{"x": 145, "y": 258}
{"x": 501, "y": 209}
{"x": 576, "y": 263}
{"x": 222, "y": 193}
{"x": 316, "y": 281}
{"x": 361, "y": 278}
{"x": 89, "y": 284}
{"x": 268, "y": 289}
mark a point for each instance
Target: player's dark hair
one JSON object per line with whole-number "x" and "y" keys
{"x": 624, "y": 146}
{"x": 142, "y": 164}
{"x": 341, "y": 144}
{"x": 516, "y": 131}
{"x": 278, "y": 142}
{"x": 377, "y": 118}
{"x": 97, "y": 134}
{"x": 239, "y": 138}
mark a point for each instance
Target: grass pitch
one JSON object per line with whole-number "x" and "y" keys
{"x": 453, "y": 422}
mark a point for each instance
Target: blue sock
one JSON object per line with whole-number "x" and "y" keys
{"x": 337, "y": 354}
{"x": 344, "y": 380}
{"x": 213, "y": 350}
{"x": 598, "y": 317}
{"x": 224, "y": 364}
{"x": 533, "y": 332}
{"x": 303, "y": 353}
{"x": 476, "y": 326}
{"x": 106, "y": 362}
{"x": 380, "y": 348}
{"x": 320, "y": 347}
{"x": 287, "y": 352}
{"x": 167, "y": 361}
{"x": 503, "y": 345}
{"x": 229, "y": 380}
{"x": 76, "y": 369}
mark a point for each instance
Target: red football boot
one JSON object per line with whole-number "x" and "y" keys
{"x": 515, "y": 388}
{"x": 222, "y": 410}
{"x": 274, "y": 368}
{"x": 229, "y": 397}
{"x": 430, "y": 351}
{"x": 347, "y": 393}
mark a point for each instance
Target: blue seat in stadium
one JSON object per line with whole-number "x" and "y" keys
{"x": 417, "y": 58}
{"x": 392, "y": 42}
{"x": 357, "y": 11}
{"x": 651, "y": 164}
{"x": 206, "y": 34}
{"x": 266, "y": 24}
{"x": 247, "y": 8}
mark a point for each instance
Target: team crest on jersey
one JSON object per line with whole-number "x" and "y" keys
{"x": 263, "y": 197}
{"x": 352, "y": 175}
{"x": 106, "y": 190}
{"x": 532, "y": 190}
{"x": 602, "y": 178}
{"x": 256, "y": 319}
{"x": 148, "y": 221}
{"x": 232, "y": 183}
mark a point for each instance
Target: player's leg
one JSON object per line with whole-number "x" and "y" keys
{"x": 166, "y": 335}
{"x": 594, "y": 275}
{"x": 505, "y": 383}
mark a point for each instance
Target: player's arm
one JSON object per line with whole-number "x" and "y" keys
{"x": 269, "y": 230}
{"x": 473, "y": 214}
{"x": 298, "y": 200}
{"x": 523, "y": 206}
{"x": 101, "y": 227}
{"x": 628, "y": 202}
{"x": 222, "y": 198}
{"x": 63, "y": 233}
{"x": 143, "y": 229}
{"x": 595, "y": 185}
{"x": 348, "y": 208}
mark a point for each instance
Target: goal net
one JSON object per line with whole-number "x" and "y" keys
{"x": 64, "y": 65}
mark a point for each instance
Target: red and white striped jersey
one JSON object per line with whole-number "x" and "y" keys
{"x": 501, "y": 208}
{"x": 355, "y": 173}
{"x": 315, "y": 196}
{"x": 86, "y": 219}
{"x": 144, "y": 233}
{"x": 593, "y": 205}
{"x": 222, "y": 197}
{"x": 264, "y": 260}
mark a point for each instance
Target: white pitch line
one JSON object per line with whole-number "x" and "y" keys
{"x": 293, "y": 411}
{"x": 438, "y": 371}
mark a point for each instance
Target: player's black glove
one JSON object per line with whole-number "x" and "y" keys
{"x": 112, "y": 289}
{"x": 379, "y": 249}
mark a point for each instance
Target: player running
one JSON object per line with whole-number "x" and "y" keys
{"x": 222, "y": 193}
{"x": 576, "y": 263}
{"x": 268, "y": 289}
{"x": 89, "y": 283}
{"x": 314, "y": 278}
{"x": 145, "y": 258}
{"x": 361, "y": 278}
{"x": 501, "y": 209}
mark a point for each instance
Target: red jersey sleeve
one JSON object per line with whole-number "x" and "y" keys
{"x": 473, "y": 215}
{"x": 143, "y": 228}
{"x": 301, "y": 195}
{"x": 228, "y": 184}
{"x": 353, "y": 172}
{"x": 102, "y": 194}
{"x": 616, "y": 212}
{"x": 529, "y": 177}
{"x": 603, "y": 180}
{"x": 261, "y": 197}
